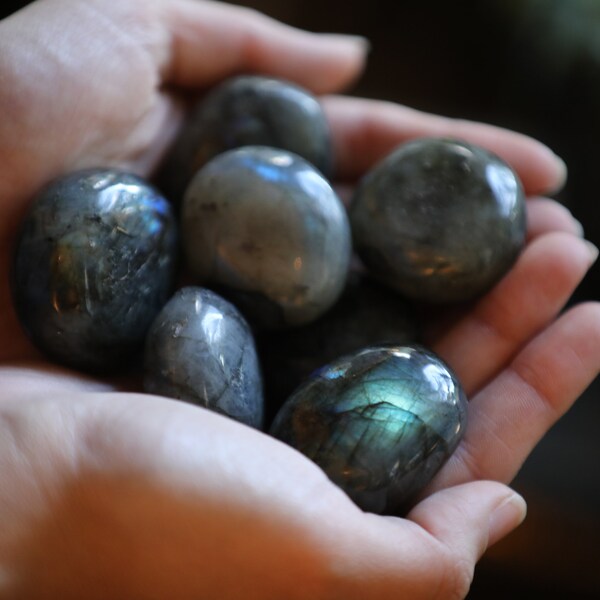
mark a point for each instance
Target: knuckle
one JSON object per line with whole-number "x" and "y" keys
{"x": 456, "y": 578}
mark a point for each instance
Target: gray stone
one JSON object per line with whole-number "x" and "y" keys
{"x": 267, "y": 228}
{"x": 94, "y": 264}
{"x": 439, "y": 220}
{"x": 366, "y": 314}
{"x": 250, "y": 110}
{"x": 200, "y": 349}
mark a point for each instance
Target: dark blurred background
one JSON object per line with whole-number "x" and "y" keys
{"x": 534, "y": 66}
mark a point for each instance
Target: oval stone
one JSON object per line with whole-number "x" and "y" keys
{"x": 439, "y": 220}
{"x": 267, "y": 228}
{"x": 94, "y": 264}
{"x": 380, "y": 423}
{"x": 200, "y": 349}
{"x": 250, "y": 110}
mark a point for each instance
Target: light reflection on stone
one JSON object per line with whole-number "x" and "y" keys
{"x": 380, "y": 423}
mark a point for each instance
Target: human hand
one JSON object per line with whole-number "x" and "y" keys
{"x": 111, "y": 494}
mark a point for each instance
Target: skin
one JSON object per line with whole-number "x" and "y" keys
{"x": 111, "y": 493}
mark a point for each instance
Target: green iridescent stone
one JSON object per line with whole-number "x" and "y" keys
{"x": 380, "y": 422}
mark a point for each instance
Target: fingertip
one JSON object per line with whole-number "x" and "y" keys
{"x": 342, "y": 61}
{"x": 355, "y": 47}
{"x": 561, "y": 173}
{"x": 506, "y": 517}
{"x": 545, "y": 216}
{"x": 211, "y": 41}
{"x": 548, "y": 172}
{"x": 469, "y": 517}
{"x": 543, "y": 172}
{"x": 593, "y": 251}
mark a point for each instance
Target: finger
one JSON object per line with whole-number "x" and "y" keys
{"x": 465, "y": 520}
{"x": 365, "y": 131}
{"x": 211, "y": 40}
{"x": 545, "y": 215}
{"x": 534, "y": 291}
{"x": 469, "y": 518}
{"x": 433, "y": 552}
{"x": 510, "y": 415}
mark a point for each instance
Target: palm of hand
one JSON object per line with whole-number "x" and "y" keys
{"x": 157, "y": 471}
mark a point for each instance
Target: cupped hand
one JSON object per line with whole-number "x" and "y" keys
{"x": 111, "y": 494}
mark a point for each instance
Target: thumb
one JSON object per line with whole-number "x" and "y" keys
{"x": 433, "y": 551}
{"x": 467, "y": 519}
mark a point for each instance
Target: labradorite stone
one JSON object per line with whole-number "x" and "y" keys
{"x": 439, "y": 220}
{"x": 380, "y": 423}
{"x": 267, "y": 228}
{"x": 250, "y": 111}
{"x": 94, "y": 264}
{"x": 366, "y": 314}
{"x": 200, "y": 349}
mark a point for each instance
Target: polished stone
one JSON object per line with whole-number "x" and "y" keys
{"x": 366, "y": 314}
{"x": 439, "y": 220}
{"x": 267, "y": 228}
{"x": 380, "y": 422}
{"x": 200, "y": 349}
{"x": 94, "y": 264}
{"x": 250, "y": 110}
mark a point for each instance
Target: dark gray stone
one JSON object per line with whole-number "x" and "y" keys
{"x": 250, "y": 111}
{"x": 267, "y": 228}
{"x": 94, "y": 264}
{"x": 200, "y": 349}
{"x": 380, "y": 423}
{"x": 439, "y": 220}
{"x": 366, "y": 314}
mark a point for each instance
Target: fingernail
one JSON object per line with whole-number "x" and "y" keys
{"x": 579, "y": 228}
{"x": 506, "y": 517}
{"x": 361, "y": 40}
{"x": 562, "y": 173}
{"x": 593, "y": 250}
{"x": 357, "y": 40}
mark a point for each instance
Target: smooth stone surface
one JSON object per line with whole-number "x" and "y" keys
{"x": 366, "y": 314}
{"x": 439, "y": 220}
{"x": 268, "y": 229}
{"x": 380, "y": 423}
{"x": 200, "y": 349}
{"x": 94, "y": 264}
{"x": 250, "y": 111}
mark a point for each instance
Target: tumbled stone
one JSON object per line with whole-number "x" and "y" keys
{"x": 200, "y": 349}
{"x": 266, "y": 228}
{"x": 366, "y": 314}
{"x": 250, "y": 110}
{"x": 94, "y": 264}
{"x": 380, "y": 422}
{"x": 439, "y": 220}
